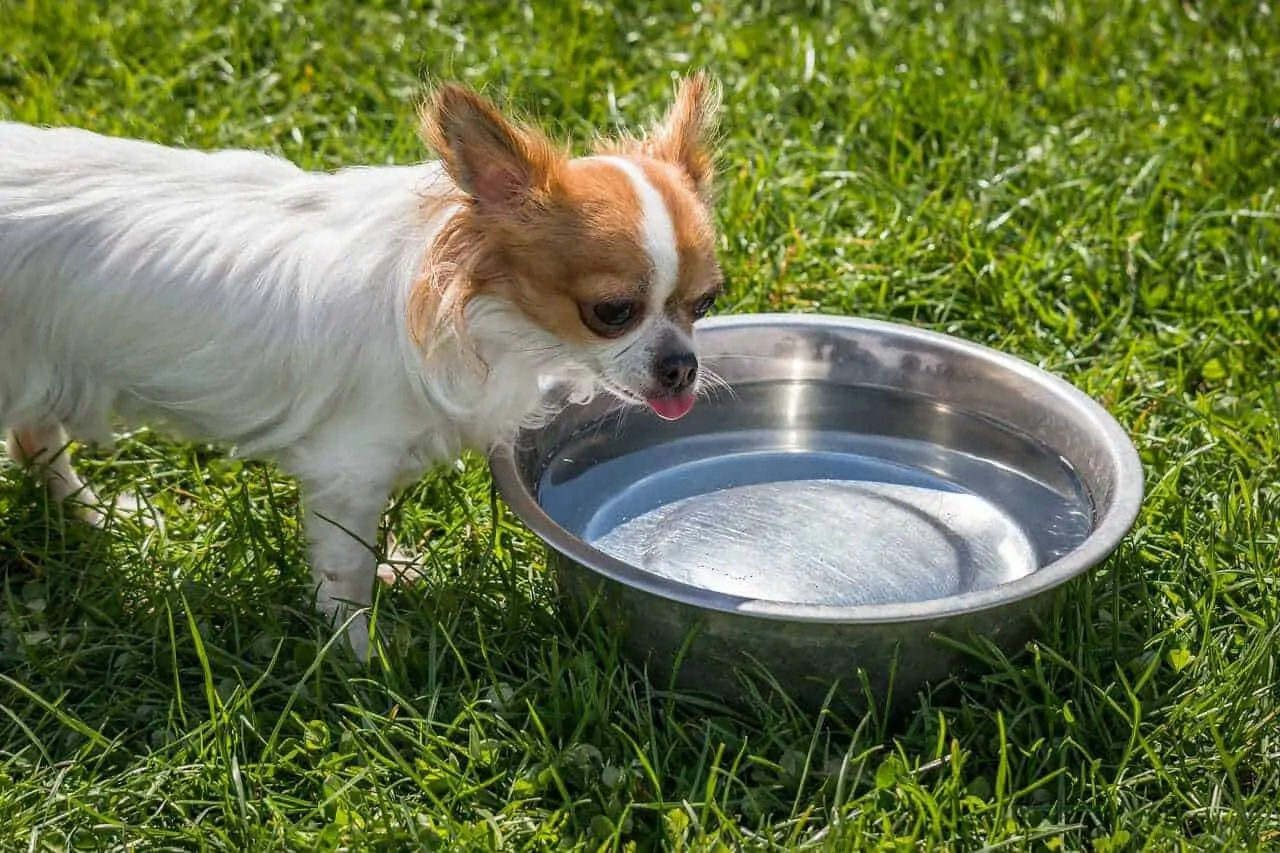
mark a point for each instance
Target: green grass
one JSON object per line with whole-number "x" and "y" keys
{"x": 1091, "y": 186}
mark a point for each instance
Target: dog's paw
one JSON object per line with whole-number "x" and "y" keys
{"x": 400, "y": 567}
{"x": 358, "y": 638}
{"x": 353, "y": 633}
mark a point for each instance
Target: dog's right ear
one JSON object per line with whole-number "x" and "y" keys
{"x": 685, "y": 136}
{"x": 499, "y": 165}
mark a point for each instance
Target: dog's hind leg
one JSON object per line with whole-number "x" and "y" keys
{"x": 44, "y": 449}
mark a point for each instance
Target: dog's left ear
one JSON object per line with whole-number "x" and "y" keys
{"x": 499, "y": 165}
{"x": 684, "y": 137}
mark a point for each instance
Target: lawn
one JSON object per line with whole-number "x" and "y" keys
{"x": 1089, "y": 185}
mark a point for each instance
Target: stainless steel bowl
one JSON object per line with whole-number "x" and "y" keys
{"x": 861, "y": 490}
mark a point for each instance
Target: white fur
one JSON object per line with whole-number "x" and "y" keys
{"x": 629, "y": 363}
{"x": 657, "y": 228}
{"x": 235, "y": 298}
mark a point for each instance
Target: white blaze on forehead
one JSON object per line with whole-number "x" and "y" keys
{"x": 656, "y": 228}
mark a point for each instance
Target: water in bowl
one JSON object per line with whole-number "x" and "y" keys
{"x": 872, "y": 497}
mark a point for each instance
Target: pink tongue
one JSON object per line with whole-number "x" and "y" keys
{"x": 671, "y": 408}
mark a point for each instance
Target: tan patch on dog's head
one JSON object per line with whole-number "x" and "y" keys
{"x": 582, "y": 248}
{"x": 564, "y": 240}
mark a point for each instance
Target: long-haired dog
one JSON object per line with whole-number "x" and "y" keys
{"x": 357, "y": 327}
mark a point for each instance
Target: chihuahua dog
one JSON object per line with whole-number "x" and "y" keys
{"x": 357, "y": 327}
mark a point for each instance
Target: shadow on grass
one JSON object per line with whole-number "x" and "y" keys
{"x": 117, "y": 652}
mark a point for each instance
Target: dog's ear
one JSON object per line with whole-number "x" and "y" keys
{"x": 685, "y": 136}
{"x": 499, "y": 165}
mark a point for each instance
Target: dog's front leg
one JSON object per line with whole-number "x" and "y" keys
{"x": 341, "y": 525}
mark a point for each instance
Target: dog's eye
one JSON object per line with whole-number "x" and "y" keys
{"x": 611, "y": 318}
{"x": 703, "y": 306}
{"x": 614, "y": 313}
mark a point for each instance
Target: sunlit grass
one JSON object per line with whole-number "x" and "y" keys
{"x": 1091, "y": 186}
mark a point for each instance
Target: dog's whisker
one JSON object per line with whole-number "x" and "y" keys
{"x": 713, "y": 384}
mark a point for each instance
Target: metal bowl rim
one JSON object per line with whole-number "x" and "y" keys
{"x": 1112, "y": 525}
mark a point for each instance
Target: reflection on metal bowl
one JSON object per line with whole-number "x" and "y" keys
{"x": 858, "y": 490}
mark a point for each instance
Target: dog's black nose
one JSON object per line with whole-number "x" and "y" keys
{"x": 677, "y": 371}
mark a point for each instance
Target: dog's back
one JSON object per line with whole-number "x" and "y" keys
{"x": 136, "y": 277}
